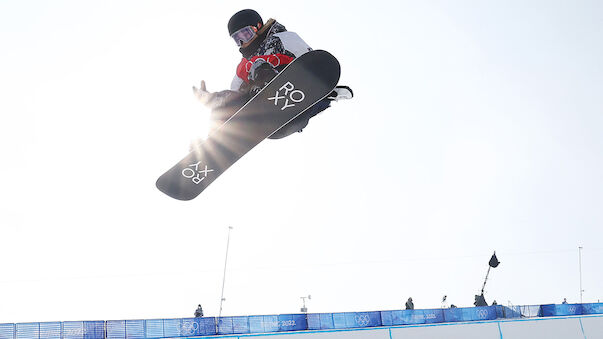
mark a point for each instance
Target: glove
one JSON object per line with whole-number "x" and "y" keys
{"x": 260, "y": 74}
{"x": 203, "y": 95}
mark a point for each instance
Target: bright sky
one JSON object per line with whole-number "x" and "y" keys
{"x": 476, "y": 126}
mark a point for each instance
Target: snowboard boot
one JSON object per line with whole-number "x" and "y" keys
{"x": 341, "y": 93}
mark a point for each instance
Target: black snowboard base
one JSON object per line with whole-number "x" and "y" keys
{"x": 304, "y": 82}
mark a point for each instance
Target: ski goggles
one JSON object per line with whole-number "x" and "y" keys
{"x": 243, "y": 35}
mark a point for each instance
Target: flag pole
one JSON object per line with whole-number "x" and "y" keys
{"x": 224, "y": 275}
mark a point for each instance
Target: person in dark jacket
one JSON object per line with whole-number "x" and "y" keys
{"x": 409, "y": 304}
{"x": 199, "y": 312}
{"x": 480, "y": 300}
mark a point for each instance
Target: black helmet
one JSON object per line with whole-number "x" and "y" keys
{"x": 246, "y": 17}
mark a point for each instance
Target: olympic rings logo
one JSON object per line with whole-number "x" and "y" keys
{"x": 362, "y": 319}
{"x": 273, "y": 60}
{"x": 482, "y": 314}
{"x": 191, "y": 327}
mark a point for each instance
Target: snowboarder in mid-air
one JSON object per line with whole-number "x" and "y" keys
{"x": 267, "y": 49}
{"x": 279, "y": 85}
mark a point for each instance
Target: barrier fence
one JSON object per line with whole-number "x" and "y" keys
{"x": 160, "y": 328}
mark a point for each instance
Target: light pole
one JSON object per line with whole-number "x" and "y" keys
{"x": 580, "y": 268}
{"x": 304, "y": 309}
{"x": 224, "y": 275}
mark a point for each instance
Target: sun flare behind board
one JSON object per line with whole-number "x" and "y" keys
{"x": 198, "y": 122}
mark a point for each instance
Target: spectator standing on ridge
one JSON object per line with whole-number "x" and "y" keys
{"x": 409, "y": 304}
{"x": 199, "y": 312}
{"x": 564, "y": 301}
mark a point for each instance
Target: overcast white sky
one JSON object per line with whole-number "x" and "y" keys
{"x": 476, "y": 126}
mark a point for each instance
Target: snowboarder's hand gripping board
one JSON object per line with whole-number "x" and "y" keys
{"x": 304, "y": 82}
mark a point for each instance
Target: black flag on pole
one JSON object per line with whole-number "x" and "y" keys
{"x": 494, "y": 261}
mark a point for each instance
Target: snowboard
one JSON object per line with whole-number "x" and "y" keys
{"x": 302, "y": 83}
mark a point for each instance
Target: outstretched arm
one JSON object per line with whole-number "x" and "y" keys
{"x": 213, "y": 100}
